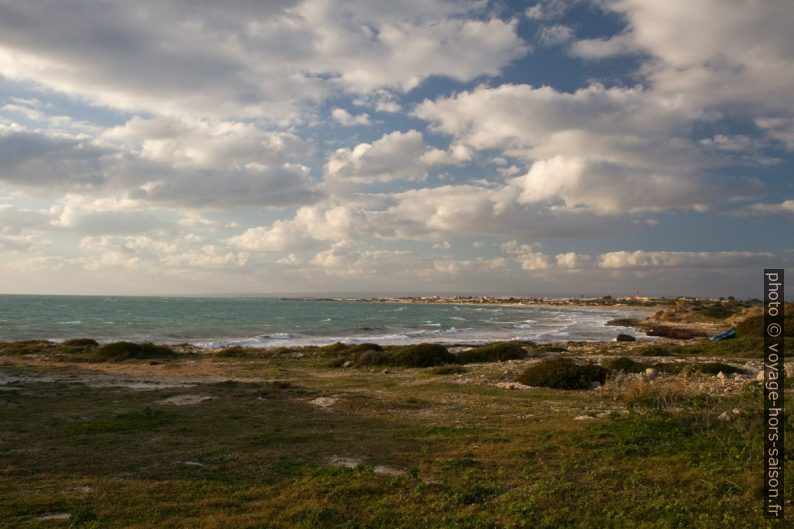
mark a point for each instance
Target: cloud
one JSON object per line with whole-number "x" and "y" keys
{"x": 608, "y": 149}
{"x": 396, "y": 156}
{"x": 663, "y": 259}
{"x": 205, "y": 144}
{"x": 346, "y": 119}
{"x": 248, "y": 59}
{"x": 34, "y": 160}
{"x": 554, "y": 35}
{"x": 729, "y": 56}
{"x": 785, "y": 208}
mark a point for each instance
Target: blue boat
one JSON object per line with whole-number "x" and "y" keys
{"x": 727, "y": 335}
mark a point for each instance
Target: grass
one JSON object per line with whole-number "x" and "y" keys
{"x": 562, "y": 374}
{"x": 257, "y": 455}
{"x": 142, "y": 420}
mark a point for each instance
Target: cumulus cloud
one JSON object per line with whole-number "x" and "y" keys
{"x": 395, "y": 156}
{"x": 732, "y": 56}
{"x": 609, "y": 149}
{"x": 347, "y": 119}
{"x": 247, "y": 58}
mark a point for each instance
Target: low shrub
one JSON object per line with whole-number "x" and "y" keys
{"x": 421, "y": 355}
{"x": 562, "y": 374}
{"x": 235, "y": 351}
{"x": 81, "y": 342}
{"x": 625, "y": 364}
{"x": 754, "y": 325}
{"x": 26, "y": 347}
{"x": 658, "y": 350}
{"x": 363, "y": 347}
{"x": 448, "y": 370}
{"x": 492, "y": 352}
{"x": 549, "y": 349}
{"x": 119, "y": 351}
{"x": 712, "y": 368}
{"x": 677, "y": 333}
{"x": 418, "y": 355}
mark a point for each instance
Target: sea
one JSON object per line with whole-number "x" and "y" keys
{"x": 264, "y": 322}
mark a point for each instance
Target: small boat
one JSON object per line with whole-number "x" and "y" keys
{"x": 727, "y": 335}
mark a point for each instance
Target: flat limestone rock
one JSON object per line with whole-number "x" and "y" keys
{"x": 185, "y": 400}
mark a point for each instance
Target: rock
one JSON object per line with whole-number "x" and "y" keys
{"x": 625, "y": 338}
{"x": 760, "y": 376}
{"x": 583, "y": 418}
{"x": 324, "y": 402}
{"x": 384, "y": 470}
{"x": 736, "y": 411}
{"x": 721, "y": 375}
{"x": 388, "y": 371}
{"x": 724, "y": 416}
{"x": 185, "y": 400}
{"x": 650, "y": 372}
{"x": 595, "y": 385}
{"x": 348, "y": 363}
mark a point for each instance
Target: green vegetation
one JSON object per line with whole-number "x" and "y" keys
{"x": 625, "y": 364}
{"x": 25, "y": 347}
{"x": 449, "y": 370}
{"x": 120, "y": 351}
{"x": 81, "y": 342}
{"x": 419, "y": 355}
{"x": 492, "y": 352}
{"x": 562, "y": 374}
{"x": 260, "y": 454}
{"x": 713, "y": 368}
{"x": 146, "y": 419}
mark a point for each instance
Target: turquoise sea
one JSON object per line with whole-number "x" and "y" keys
{"x": 214, "y": 322}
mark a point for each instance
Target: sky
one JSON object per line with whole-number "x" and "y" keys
{"x": 416, "y": 147}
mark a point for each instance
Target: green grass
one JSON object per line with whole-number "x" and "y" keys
{"x": 133, "y": 421}
{"x": 257, "y": 455}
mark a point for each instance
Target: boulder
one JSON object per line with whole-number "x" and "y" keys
{"x": 650, "y": 372}
{"x": 625, "y": 338}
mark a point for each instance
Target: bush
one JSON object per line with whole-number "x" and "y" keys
{"x": 549, "y": 349}
{"x": 421, "y": 355}
{"x": 448, "y": 370}
{"x": 118, "y": 351}
{"x": 713, "y": 368}
{"x": 562, "y": 374}
{"x": 677, "y": 333}
{"x": 625, "y": 364}
{"x": 363, "y": 347}
{"x": 492, "y": 352}
{"x": 81, "y": 342}
{"x": 754, "y": 325}
{"x": 658, "y": 350}
{"x": 373, "y": 358}
{"x": 26, "y": 347}
{"x": 235, "y": 351}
